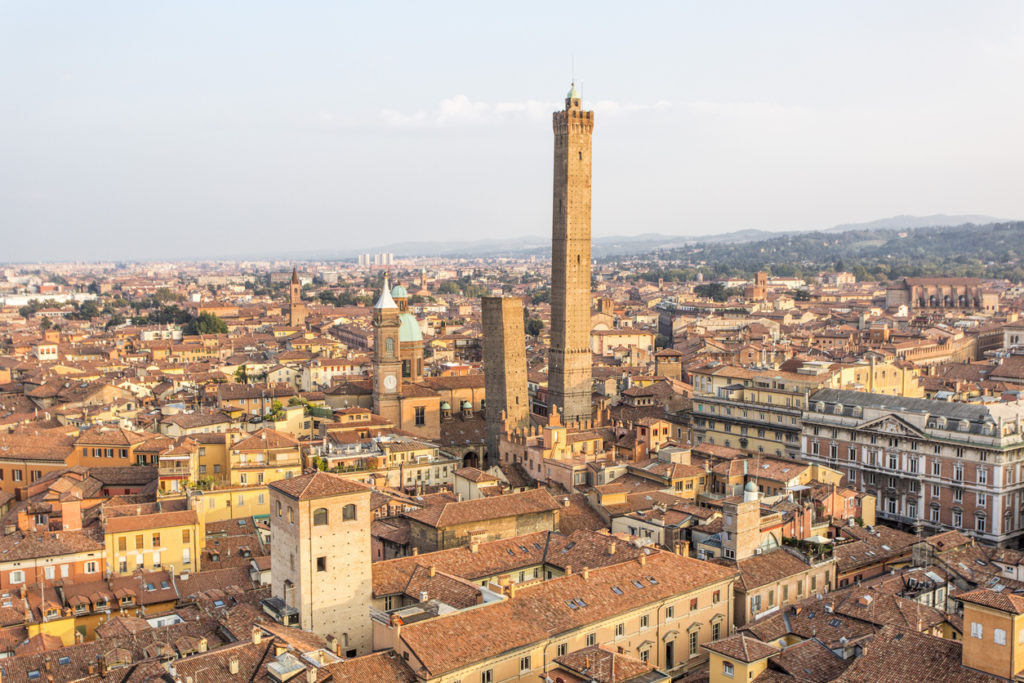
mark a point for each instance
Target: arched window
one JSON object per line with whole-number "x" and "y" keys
{"x": 320, "y": 517}
{"x": 348, "y": 512}
{"x": 389, "y": 346}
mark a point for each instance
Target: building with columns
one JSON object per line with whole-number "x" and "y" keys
{"x": 921, "y": 293}
{"x": 570, "y": 373}
{"x": 933, "y": 464}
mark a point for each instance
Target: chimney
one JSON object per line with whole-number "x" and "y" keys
{"x": 611, "y": 547}
{"x": 432, "y": 571}
{"x": 233, "y": 666}
{"x": 202, "y": 645}
{"x": 332, "y": 644}
{"x": 643, "y": 560}
{"x": 257, "y": 635}
{"x": 311, "y": 675}
{"x": 415, "y": 551}
{"x": 586, "y": 573}
{"x": 424, "y": 596}
{"x": 568, "y": 570}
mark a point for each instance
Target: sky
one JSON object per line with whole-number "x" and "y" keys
{"x": 144, "y": 130}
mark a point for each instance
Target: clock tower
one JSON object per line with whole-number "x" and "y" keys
{"x": 387, "y": 360}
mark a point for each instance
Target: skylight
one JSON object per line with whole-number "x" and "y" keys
{"x": 616, "y": 590}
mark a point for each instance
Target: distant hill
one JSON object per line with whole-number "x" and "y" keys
{"x": 939, "y": 220}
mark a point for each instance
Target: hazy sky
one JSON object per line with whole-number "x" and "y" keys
{"x": 194, "y": 129}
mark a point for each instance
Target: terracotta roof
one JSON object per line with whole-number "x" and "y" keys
{"x": 542, "y": 610}
{"x": 602, "y": 666}
{"x": 381, "y": 666}
{"x": 898, "y": 655}
{"x": 317, "y": 485}
{"x": 117, "y": 525}
{"x": 480, "y": 509}
{"x": 1003, "y": 601}
{"x": 743, "y": 648}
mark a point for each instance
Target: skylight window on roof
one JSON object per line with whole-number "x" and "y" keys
{"x": 510, "y": 552}
{"x": 834, "y": 623}
{"x": 523, "y": 548}
{"x": 218, "y": 603}
{"x": 164, "y": 584}
{"x": 652, "y": 580}
{"x": 570, "y": 545}
{"x": 33, "y": 675}
{"x": 572, "y": 604}
{"x": 616, "y": 590}
{"x": 63, "y": 660}
{"x": 537, "y": 546}
{"x": 637, "y": 584}
{"x": 810, "y": 615}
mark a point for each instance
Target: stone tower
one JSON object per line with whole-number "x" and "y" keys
{"x": 741, "y": 524}
{"x": 504, "y": 369}
{"x": 387, "y": 359}
{"x": 296, "y": 309}
{"x": 320, "y": 550}
{"x": 569, "y": 364}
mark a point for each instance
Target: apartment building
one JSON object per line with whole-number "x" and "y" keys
{"x": 938, "y": 464}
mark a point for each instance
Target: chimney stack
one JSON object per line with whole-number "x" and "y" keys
{"x": 233, "y": 666}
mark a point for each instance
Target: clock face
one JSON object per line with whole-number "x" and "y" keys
{"x": 390, "y": 382}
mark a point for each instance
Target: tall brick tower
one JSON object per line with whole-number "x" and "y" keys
{"x": 569, "y": 364}
{"x": 504, "y": 369}
{"x": 296, "y": 309}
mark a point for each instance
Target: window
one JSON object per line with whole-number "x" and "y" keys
{"x": 185, "y": 536}
{"x": 17, "y": 475}
{"x": 693, "y": 604}
{"x": 937, "y": 468}
{"x": 645, "y": 621}
{"x": 670, "y": 613}
{"x": 18, "y": 576}
{"x": 186, "y": 556}
{"x": 348, "y": 512}
{"x": 620, "y": 630}
{"x": 958, "y": 495}
{"x": 693, "y": 643}
{"x": 727, "y": 669}
{"x": 716, "y": 630}
{"x": 278, "y": 508}
{"x": 91, "y": 567}
{"x": 139, "y": 543}
{"x": 421, "y": 416}
{"x": 958, "y": 518}
{"x": 291, "y": 515}
{"x": 321, "y": 564}
{"x": 156, "y": 540}
{"x": 486, "y": 676}
{"x": 999, "y": 635}
{"x": 122, "y": 543}
{"x": 716, "y": 597}
{"x": 976, "y": 630}
{"x": 320, "y": 517}
{"x": 563, "y": 648}
{"x": 591, "y": 639}
{"x": 524, "y": 664}
{"x": 755, "y": 604}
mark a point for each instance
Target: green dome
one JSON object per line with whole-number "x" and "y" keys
{"x": 573, "y": 93}
{"x": 410, "y": 329}
{"x": 751, "y": 487}
{"x": 398, "y": 292}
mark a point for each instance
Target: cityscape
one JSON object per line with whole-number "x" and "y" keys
{"x": 459, "y": 455}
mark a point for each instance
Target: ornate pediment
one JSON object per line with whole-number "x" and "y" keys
{"x": 891, "y": 424}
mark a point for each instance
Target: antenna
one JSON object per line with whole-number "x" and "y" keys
{"x": 572, "y": 69}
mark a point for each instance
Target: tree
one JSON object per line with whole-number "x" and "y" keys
{"x": 88, "y": 310}
{"x": 207, "y": 323}
{"x": 534, "y": 326}
{"x": 45, "y": 324}
{"x": 241, "y": 374}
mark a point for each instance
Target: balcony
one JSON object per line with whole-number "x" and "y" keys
{"x": 174, "y": 471}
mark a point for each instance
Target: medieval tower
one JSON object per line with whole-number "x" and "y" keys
{"x": 569, "y": 363}
{"x": 296, "y": 309}
{"x": 504, "y": 369}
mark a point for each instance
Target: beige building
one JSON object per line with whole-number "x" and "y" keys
{"x": 660, "y": 608}
{"x": 320, "y": 545}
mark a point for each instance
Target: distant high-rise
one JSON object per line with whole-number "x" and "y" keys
{"x": 569, "y": 363}
{"x": 504, "y": 369}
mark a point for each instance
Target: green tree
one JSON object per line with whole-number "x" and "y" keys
{"x": 241, "y": 374}
{"x": 207, "y": 323}
{"x": 45, "y": 324}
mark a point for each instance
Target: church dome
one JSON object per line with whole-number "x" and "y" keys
{"x": 573, "y": 93}
{"x": 410, "y": 328}
{"x": 751, "y": 487}
{"x": 399, "y": 292}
